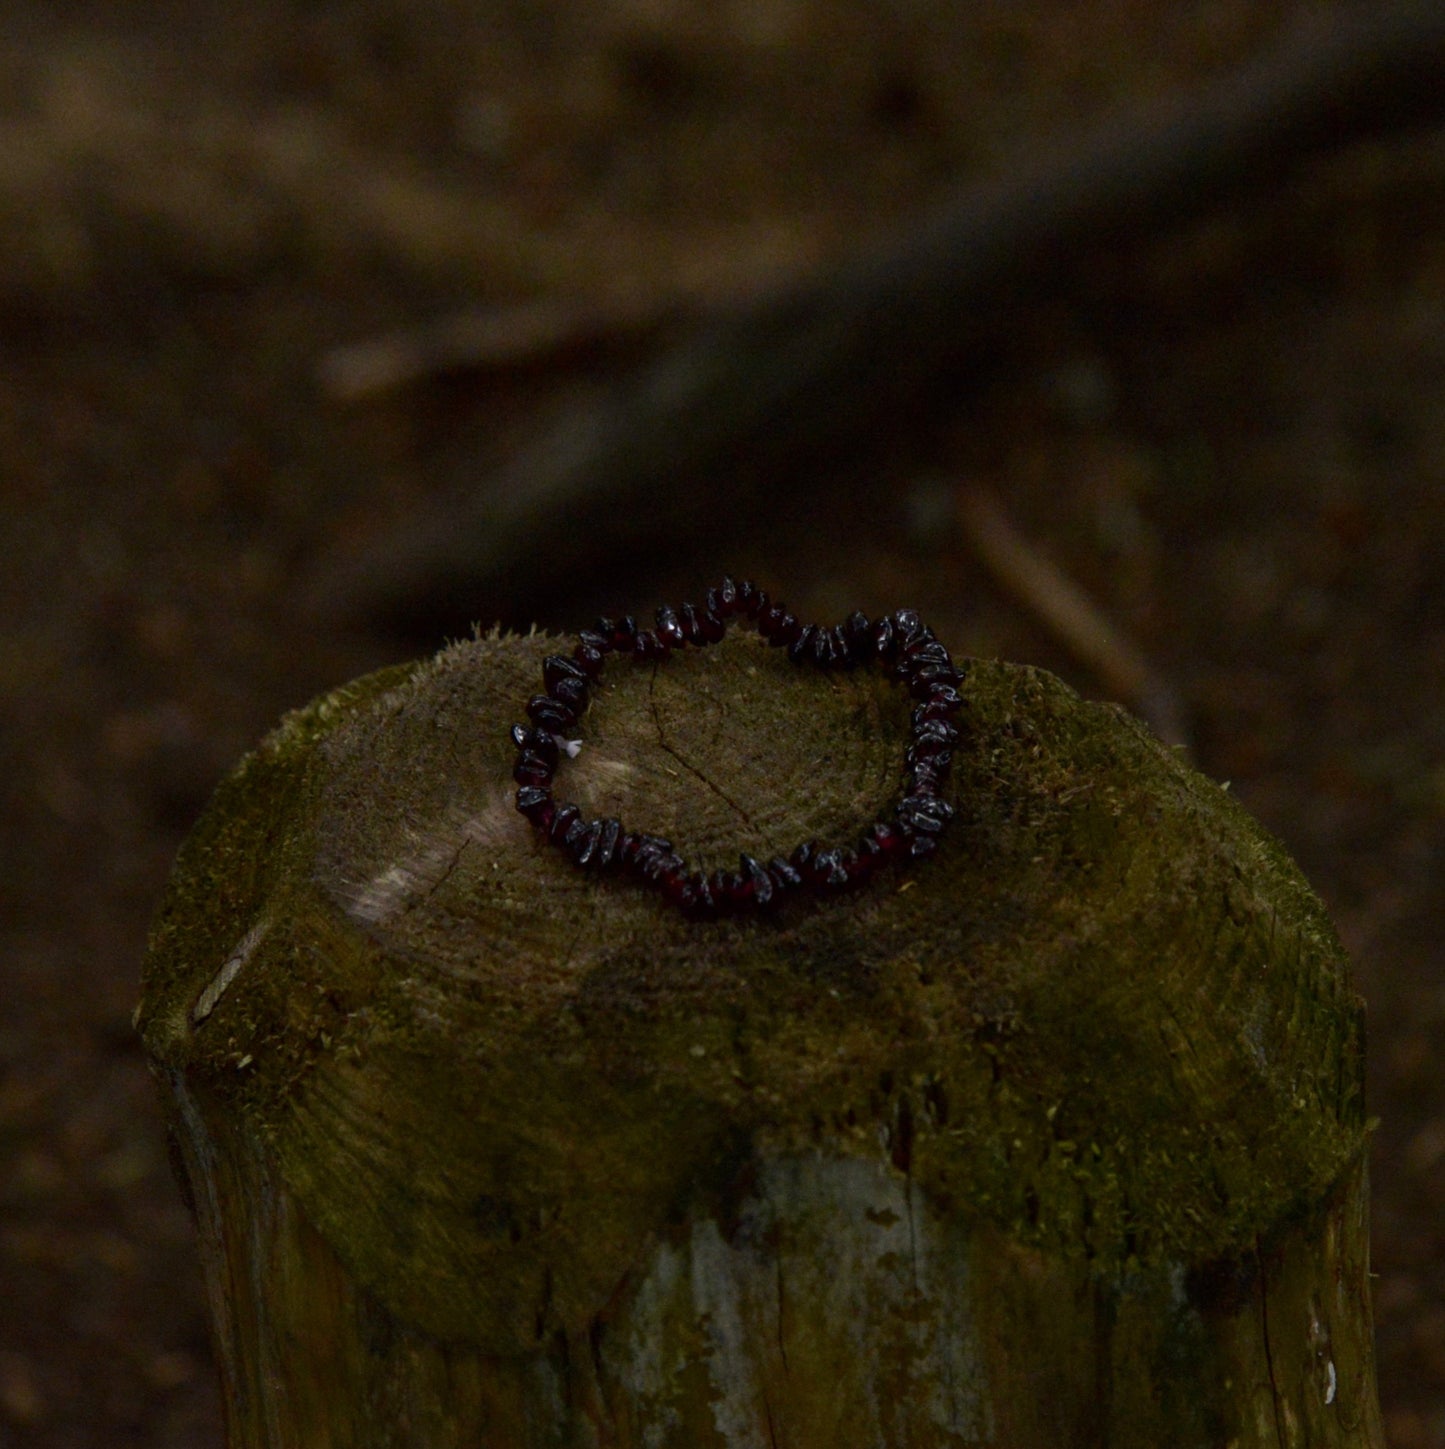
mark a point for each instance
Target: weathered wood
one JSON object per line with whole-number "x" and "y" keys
{"x": 1056, "y": 1140}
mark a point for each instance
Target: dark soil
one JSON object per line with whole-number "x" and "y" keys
{"x": 1234, "y": 438}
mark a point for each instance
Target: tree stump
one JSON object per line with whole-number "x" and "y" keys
{"x": 1055, "y": 1139}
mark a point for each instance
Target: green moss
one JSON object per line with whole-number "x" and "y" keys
{"x": 246, "y": 861}
{"x": 1110, "y": 1019}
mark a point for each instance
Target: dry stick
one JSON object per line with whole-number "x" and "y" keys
{"x": 818, "y": 370}
{"x": 527, "y": 334}
{"x": 1068, "y": 613}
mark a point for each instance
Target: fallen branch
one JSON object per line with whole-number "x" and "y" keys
{"x": 817, "y": 371}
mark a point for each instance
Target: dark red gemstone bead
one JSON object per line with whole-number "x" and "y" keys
{"x": 556, "y": 667}
{"x": 934, "y": 734}
{"x": 669, "y": 630}
{"x": 888, "y": 838}
{"x": 917, "y": 677}
{"x": 711, "y": 627}
{"x": 802, "y": 645}
{"x": 933, "y": 760}
{"x": 562, "y": 822}
{"x": 535, "y": 802}
{"x": 944, "y": 697}
{"x": 550, "y": 714}
{"x": 571, "y": 693}
{"x": 586, "y": 847}
{"x": 624, "y": 631}
{"x": 907, "y": 626}
{"x": 690, "y": 621}
{"x": 638, "y": 851}
{"x": 648, "y": 646}
{"x": 784, "y": 874}
{"x": 661, "y": 866}
{"x": 860, "y": 865}
{"x": 599, "y": 638}
{"x": 826, "y": 871}
{"x": 698, "y": 901}
{"x": 726, "y": 889}
{"x": 907, "y": 669}
{"x": 727, "y": 598}
{"x": 931, "y": 710}
{"x": 885, "y": 640}
{"x": 750, "y": 596}
{"x": 770, "y": 619}
{"x": 857, "y": 635}
{"x": 932, "y": 651}
{"x": 589, "y": 660}
{"x": 925, "y": 680}
{"x": 923, "y": 815}
{"x": 581, "y": 840}
{"x": 530, "y": 770}
{"x": 542, "y": 743}
{"x": 519, "y": 735}
{"x": 607, "y": 843}
{"x": 830, "y": 651}
{"x": 756, "y": 875}
{"x": 675, "y": 885}
{"x": 810, "y": 871}
{"x": 920, "y": 847}
{"x": 785, "y": 632}
{"x": 923, "y": 765}
{"x": 802, "y": 856}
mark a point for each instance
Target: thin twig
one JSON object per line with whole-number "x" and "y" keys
{"x": 528, "y": 334}
{"x": 1074, "y": 619}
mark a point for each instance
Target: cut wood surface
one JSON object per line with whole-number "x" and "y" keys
{"x": 1055, "y": 1139}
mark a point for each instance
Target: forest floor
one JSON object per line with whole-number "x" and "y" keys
{"x": 1235, "y": 443}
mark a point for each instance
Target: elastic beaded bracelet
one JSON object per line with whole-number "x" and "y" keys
{"x": 901, "y": 642}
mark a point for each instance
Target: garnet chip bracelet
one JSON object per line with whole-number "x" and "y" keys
{"x": 900, "y": 642}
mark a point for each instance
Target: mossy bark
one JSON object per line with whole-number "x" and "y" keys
{"x": 1057, "y": 1139}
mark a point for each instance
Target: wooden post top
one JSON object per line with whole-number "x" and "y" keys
{"x": 1109, "y": 1019}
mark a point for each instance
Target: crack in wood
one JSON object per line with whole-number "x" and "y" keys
{"x": 700, "y": 776}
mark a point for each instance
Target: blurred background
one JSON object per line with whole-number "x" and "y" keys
{"x": 328, "y": 330}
